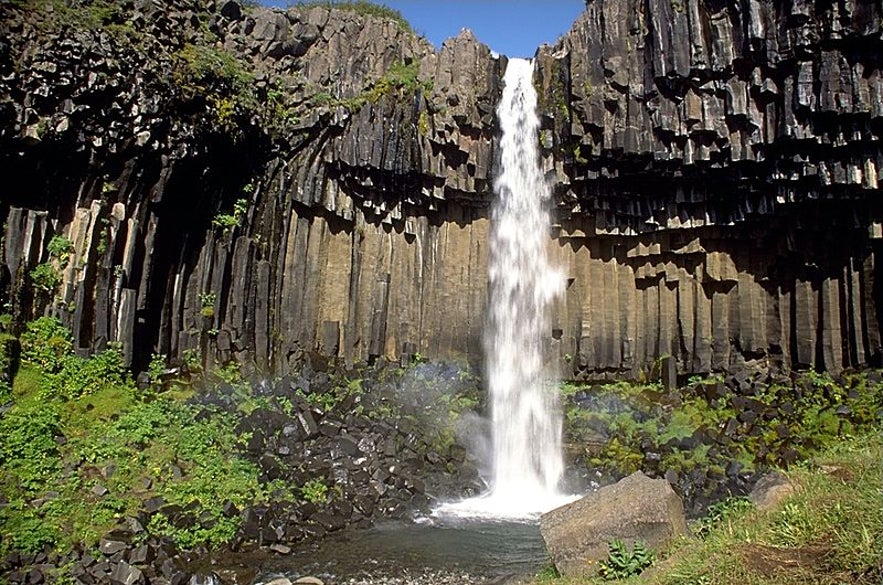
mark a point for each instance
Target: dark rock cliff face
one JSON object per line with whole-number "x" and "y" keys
{"x": 716, "y": 168}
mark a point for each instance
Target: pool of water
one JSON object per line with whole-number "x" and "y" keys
{"x": 428, "y": 551}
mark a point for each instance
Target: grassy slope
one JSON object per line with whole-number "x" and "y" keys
{"x": 830, "y": 531}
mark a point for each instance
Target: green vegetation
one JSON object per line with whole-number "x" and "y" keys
{"x": 214, "y": 74}
{"x": 78, "y": 446}
{"x": 82, "y": 448}
{"x": 315, "y": 491}
{"x": 60, "y": 248}
{"x": 45, "y": 277}
{"x": 207, "y": 301}
{"x": 622, "y": 562}
{"x": 110, "y": 16}
{"x": 694, "y": 428}
{"x": 227, "y": 221}
{"x": 829, "y": 532}
{"x": 721, "y": 512}
{"x": 361, "y": 7}
{"x": 400, "y": 80}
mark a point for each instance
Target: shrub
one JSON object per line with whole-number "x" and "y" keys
{"x": 46, "y": 343}
{"x": 219, "y": 78}
{"x": 60, "y": 248}
{"x": 227, "y": 221}
{"x": 45, "y": 277}
{"x": 207, "y": 302}
{"x": 28, "y": 451}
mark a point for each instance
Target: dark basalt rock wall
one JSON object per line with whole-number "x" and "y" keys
{"x": 716, "y": 168}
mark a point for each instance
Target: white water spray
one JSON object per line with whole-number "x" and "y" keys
{"x": 526, "y": 422}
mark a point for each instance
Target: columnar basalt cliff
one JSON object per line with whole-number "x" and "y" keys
{"x": 258, "y": 184}
{"x": 718, "y": 167}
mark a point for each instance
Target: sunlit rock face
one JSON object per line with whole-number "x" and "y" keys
{"x": 715, "y": 180}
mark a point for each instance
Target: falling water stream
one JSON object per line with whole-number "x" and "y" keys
{"x": 495, "y": 533}
{"x": 526, "y": 422}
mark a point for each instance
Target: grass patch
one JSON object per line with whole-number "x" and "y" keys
{"x": 830, "y": 531}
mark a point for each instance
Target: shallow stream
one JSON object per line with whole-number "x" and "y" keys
{"x": 436, "y": 551}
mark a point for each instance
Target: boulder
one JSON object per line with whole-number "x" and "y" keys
{"x": 636, "y": 508}
{"x": 770, "y": 490}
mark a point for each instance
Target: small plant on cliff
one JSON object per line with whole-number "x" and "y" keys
{"x": 60, "y": 248}
{"x": 207, "y": 302}
{"x": 227, "y": 221}
{"x": 217, "y": 77}
{"x": 45, "y": 277}
{"x": 401, "y": 78}
{"x": 622, "y": 562}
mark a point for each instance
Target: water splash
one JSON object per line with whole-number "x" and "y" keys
{"x": 526, "y": 421}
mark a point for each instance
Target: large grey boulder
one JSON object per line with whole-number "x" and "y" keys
{"x": 636, "y": 508}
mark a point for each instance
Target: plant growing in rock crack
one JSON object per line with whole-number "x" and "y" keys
{"x": 45, "y": 277}
{"x": 622, "y": 562}
{"x": 227, "y": 221}
{"x": 60, "y": 248}
{"x": 207, "y": 302}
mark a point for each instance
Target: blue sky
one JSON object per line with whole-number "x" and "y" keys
{"x": 511, "y": 27}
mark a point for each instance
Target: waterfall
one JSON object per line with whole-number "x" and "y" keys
{"x": 526, "y": 420}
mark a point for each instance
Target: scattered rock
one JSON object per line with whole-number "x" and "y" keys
{"x": 125, "y": 574}
{"x": 110, "y": 547}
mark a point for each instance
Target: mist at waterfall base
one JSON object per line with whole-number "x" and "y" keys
{"x": 527, "y": 464}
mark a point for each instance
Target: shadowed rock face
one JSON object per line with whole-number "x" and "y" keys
{"x": 716, "y": 171}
